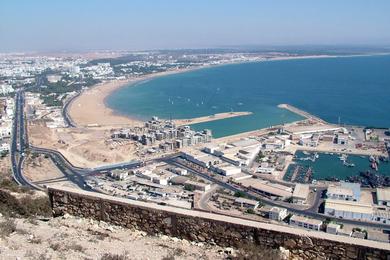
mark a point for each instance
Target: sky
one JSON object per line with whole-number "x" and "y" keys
{"x": 85, "y": 25}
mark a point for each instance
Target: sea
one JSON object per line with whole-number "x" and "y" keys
{"x": 349, "y": 90}
{"x": 352, "y": 90}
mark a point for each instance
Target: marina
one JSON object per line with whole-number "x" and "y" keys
{"x": 332, "y": 166}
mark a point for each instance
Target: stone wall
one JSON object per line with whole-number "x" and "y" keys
{"x": 211, "y": 228}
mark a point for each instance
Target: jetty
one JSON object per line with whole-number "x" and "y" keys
{"x": 209, "y": 118}
{"x": 302, "y": 113}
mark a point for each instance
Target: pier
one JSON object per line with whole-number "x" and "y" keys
{"x": 302, "y": 113}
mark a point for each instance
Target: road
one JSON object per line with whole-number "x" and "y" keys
{"x": 255, "y": 196}
{"x": 68, "y": 120}
{"x": 19, "y": 144}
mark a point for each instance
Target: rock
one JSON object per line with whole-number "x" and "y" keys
{"x": 290, "y": 243}
{"x": 66, "y": 216}
{"x": 228, "y": 250}
{"x": 175, "y": 239}
{"x": 284, "y": 253}
{"x": 164, "y": 237}
{"x": 307, "y": 241}
{"x": 110, "y": 228}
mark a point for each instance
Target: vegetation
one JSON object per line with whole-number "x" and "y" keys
{"x": 7, "y": 227}
{"x": 189, "y": 187}
{"x": 253, "y": 251}
{"x": 240, "y": 194}
{"x": 259, "y": 156}
{"x": 27, "y": 206}
{"x": 250, "y": 211}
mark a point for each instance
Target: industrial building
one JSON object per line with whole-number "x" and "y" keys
{"x": 301, "y": 193}
{"x": 266, "y": 188}
{"x": 346, "y": 191}
{"x": 348, "y": 209}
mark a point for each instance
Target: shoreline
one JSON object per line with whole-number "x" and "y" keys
{"x": 90, "y": 107}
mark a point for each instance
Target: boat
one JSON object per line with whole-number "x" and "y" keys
{"x": 343, "y": 157}
{"x": 306, "y": 153}
{"x": 348, "y": 164}
{"x": 374, "y": 165}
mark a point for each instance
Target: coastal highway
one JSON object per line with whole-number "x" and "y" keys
{"x": 255, "y": 196}
{"x": 18, "y": 141}
{"x": 65, "y": 110}
{"x": 76, "y": 175}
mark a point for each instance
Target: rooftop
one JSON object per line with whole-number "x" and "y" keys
{"x": 309, "y": 221}
{"x": 340, "y": 190}
{"x": 268, "y": 187}
{"x": 246, "y": 201}
{"x": 301, "y": 191}
{"x": 351, "y": 206}
{"x": 383, "y": 194}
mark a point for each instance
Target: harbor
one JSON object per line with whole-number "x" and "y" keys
{"x": 309, "y": 166}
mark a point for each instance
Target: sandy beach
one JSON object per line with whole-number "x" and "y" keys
{"x": 89, "y": 108}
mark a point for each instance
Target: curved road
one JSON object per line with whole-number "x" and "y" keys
{"x": 77, "y": 174}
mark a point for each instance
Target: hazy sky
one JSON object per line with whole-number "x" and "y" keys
{"x": 38, "y": 25}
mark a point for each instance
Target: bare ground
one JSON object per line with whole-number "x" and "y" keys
{"x": 75, "y": 238}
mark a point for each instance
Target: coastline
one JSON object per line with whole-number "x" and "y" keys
{"x": 90, "y": 107}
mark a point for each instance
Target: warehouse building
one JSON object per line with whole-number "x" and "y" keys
{"x": 301, "y": 193}
{"x": 349, "y": 209}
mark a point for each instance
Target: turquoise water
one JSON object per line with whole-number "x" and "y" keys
{"x": 328, "y": 165}
{"x": 355, "y": 88}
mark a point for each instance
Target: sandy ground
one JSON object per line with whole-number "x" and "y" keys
{"x": 75, "y": 238}
{"x": 89, "y": 107}
{"x": 5, "y": 164}
{"x": 41, "y": 170}
{"x": 83, "y": 147}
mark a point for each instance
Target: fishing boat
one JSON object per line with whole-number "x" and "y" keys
{"x": 343, "y": 157}
{"x": 348, "y": 164}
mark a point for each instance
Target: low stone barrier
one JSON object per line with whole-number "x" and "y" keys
{"x": 211, "y": 228}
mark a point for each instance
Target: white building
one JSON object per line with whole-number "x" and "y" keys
{"x": 301, "y": 193}
{"x": 333, "y": 228}
{"x": 383, "y": 196}
{"x": 277, "y": 213}
{"x": 304, "y": 222}
{"x": 246, "y": 203}
{"x": 339, "y": 193}
{"x": 119, "y": 174}
{"x": 228, "y": 170}
{"x": 6, "y": 89}
{"x": 265, "y": 168}
{"x": 348, "y": 209}
{"x": 342, "y": 139}
{"x": 198, "y": 185}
